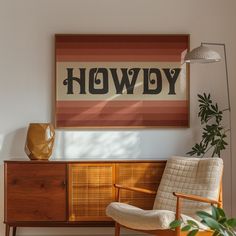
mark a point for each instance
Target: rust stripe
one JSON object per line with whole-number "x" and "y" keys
{"x": 98, "y": 123}
{"x": 121, "y": 117}
{"x": 118, "y": 45}
{"x": 114, "y": 57}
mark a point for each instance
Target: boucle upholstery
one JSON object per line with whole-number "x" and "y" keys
{"x": 197, "y": 176}
{"x": 136, "y": 218}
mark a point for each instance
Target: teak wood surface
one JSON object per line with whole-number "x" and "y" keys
{"x": 35, "y": 192}
{"x": 72, "y": 193}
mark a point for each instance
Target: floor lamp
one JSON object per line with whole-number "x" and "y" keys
{"x": 203, "y": 54}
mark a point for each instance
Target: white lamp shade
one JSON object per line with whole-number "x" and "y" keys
{"x": 202, "y": 54}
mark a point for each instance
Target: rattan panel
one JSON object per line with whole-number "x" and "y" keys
{"x": 91, "y": 190}
{"x": 143, "y": 175}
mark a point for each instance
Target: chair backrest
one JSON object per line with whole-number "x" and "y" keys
{"x": 198, "y": 176}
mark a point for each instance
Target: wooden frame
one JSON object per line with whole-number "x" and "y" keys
{"x": 121, "y": 81}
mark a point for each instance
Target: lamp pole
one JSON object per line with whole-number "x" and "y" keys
{"x": 229, "y": 109}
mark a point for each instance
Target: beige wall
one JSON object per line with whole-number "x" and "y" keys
{"x": 27, "y": 28}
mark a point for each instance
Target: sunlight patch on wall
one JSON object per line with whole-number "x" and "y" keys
{"x": 97, "y": 144}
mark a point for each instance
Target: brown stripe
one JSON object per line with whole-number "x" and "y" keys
{"x": 100, "y": 51}
{"x": 121, "y": 38}
{"x": 98, "y": 123}
{"x": 121, "y": 45}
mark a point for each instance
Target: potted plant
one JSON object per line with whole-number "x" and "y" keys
{"x": 213, "y": 138}
{"x": 217, "y": 221}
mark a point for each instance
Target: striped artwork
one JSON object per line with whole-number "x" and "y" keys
{"x": 121, "y": 81}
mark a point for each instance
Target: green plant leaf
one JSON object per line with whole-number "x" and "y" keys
{"x": 215, "y": 213}
{"x": 216, "y": 233}
{"x": 201, "y": 97}
{"x": 221, "y": 212}
{"x": 222, "y": 220}
{"x": 220, "y": 233}
{"x": 231, "y": 222}
{"x": 193, "y": 232}
{"x": 186, "y": 228}
{"x": 192, "y": 223}
{"x": 213, "y": 224}
{"x": 197, "y": 149}
{"x": 175, "y": 223}
{"x": 203, "y": 214}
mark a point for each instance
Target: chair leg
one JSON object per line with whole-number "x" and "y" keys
{"x": 178, "y": 231}
{"x": 7, "y": 232}
{"x": 117, "y": 229}
{"x": 14, "y": 231}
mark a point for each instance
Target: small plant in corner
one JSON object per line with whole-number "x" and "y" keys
{"x": 217, "y": 221}
{"x": 214, "y": 134}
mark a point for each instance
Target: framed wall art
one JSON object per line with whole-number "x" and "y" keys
{"x": 121, "y": 81}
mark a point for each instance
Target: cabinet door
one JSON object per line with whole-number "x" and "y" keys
{"x": 90, "y": 191}
{"x": 142, "y": 175}
{"x": 35, "y": 192}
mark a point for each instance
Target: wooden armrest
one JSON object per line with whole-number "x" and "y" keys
{"x": 195, "y": 198}
{"x": 141, "y": 190}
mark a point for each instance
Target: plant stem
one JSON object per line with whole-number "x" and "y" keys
{"x": 226, "y": 109}
{"x": 206, "y": 151}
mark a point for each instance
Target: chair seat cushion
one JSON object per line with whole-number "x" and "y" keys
{"x": 136, "y": 218}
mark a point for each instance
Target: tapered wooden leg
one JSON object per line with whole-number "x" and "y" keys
{"x": 14, "y": 231}
{"x": 117, "y": 229}
{"x": 7, "y": 231}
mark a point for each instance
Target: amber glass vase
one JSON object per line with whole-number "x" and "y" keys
{"x": 39, "y": 141}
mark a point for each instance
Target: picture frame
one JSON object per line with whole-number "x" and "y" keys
{"x": 121, "y": 81}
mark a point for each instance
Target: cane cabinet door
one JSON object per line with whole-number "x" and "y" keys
{"x": 35, "y": 192}
{"x": 90, "y": 191}
{"x": 142, "y": 175}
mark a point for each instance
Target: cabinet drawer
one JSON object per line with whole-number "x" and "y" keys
{"x": 35, "y": 192}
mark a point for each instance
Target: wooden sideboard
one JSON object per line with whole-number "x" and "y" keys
{"x": 66, "y": 193}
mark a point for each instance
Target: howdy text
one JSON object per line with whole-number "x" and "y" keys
{"x": 152, "y": 80}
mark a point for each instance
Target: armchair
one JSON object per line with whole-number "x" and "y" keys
{"x": 187, "y": 185}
